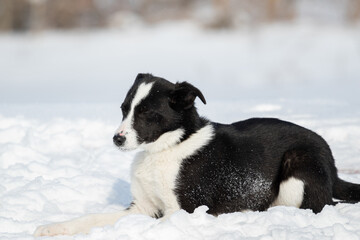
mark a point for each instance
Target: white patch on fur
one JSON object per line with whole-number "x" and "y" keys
{"x": 154, "y": 172}
{"x": 127, "y": 126}
{"x": 291, "y": 193}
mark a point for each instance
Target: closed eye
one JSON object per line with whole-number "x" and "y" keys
{"x": 147, "y": 113}
{"x": 152, "y": 116}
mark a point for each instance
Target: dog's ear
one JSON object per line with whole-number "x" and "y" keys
{"x": 183, "y": 96}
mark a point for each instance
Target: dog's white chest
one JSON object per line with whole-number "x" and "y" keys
{"x": 154, "y": 176}
{"x": 154, "y": 173}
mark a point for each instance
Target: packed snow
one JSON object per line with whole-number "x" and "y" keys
{"x": 60, "y": 96}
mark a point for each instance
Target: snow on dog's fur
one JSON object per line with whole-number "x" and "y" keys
{"x": 188, "y": 161}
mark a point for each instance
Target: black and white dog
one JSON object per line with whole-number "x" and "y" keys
{"x": 189, "y": 161}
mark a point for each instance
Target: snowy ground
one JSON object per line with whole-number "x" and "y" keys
{"x": 59, "y": 107}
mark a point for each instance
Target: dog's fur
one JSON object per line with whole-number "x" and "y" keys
{"x": 189, "y": 161}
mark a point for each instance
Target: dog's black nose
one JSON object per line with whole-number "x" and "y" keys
{"x": 119, "y": 140}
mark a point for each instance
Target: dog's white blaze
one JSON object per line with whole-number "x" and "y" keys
{"x": 155, "y": 170}
{"x": 291, "y": 193}
{"x": 126, "y": 127}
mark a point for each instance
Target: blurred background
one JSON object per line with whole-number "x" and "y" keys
{"x": 38, "y": 15}
{"x": 65, "y": 51}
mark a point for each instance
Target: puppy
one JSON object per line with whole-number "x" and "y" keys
{"x": 188, "y": 161}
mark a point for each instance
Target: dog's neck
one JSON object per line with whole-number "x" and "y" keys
{"x": 193, "y": 124}
{"x": 172, "y": 141}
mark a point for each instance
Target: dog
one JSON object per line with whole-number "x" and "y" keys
{"x": 188, "y": 161}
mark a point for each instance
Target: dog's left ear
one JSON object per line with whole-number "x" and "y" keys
{"x": 183, "y": 96}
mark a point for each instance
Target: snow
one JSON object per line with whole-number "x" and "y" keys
{"x": 59, "y": 107}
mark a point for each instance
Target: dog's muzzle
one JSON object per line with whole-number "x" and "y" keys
{"x": 119, "y": 140}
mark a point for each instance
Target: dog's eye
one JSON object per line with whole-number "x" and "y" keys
{"x": 147, "y": 114}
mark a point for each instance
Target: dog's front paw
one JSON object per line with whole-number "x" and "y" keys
{"x": 54, "y": 229}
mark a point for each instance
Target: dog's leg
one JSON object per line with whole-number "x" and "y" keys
{"x": 171, "y": 207}
{"x": 86, "y": 223}
{"x": 79, "y": 225}
{"x": 308, "y": 176}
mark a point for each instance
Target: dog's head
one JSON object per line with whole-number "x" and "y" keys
{"x": 155, "y": 112}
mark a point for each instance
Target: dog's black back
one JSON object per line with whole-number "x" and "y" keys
{"x": 243, "y": 166}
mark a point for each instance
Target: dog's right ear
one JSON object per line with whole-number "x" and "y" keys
{"x": 183, "y": 96}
